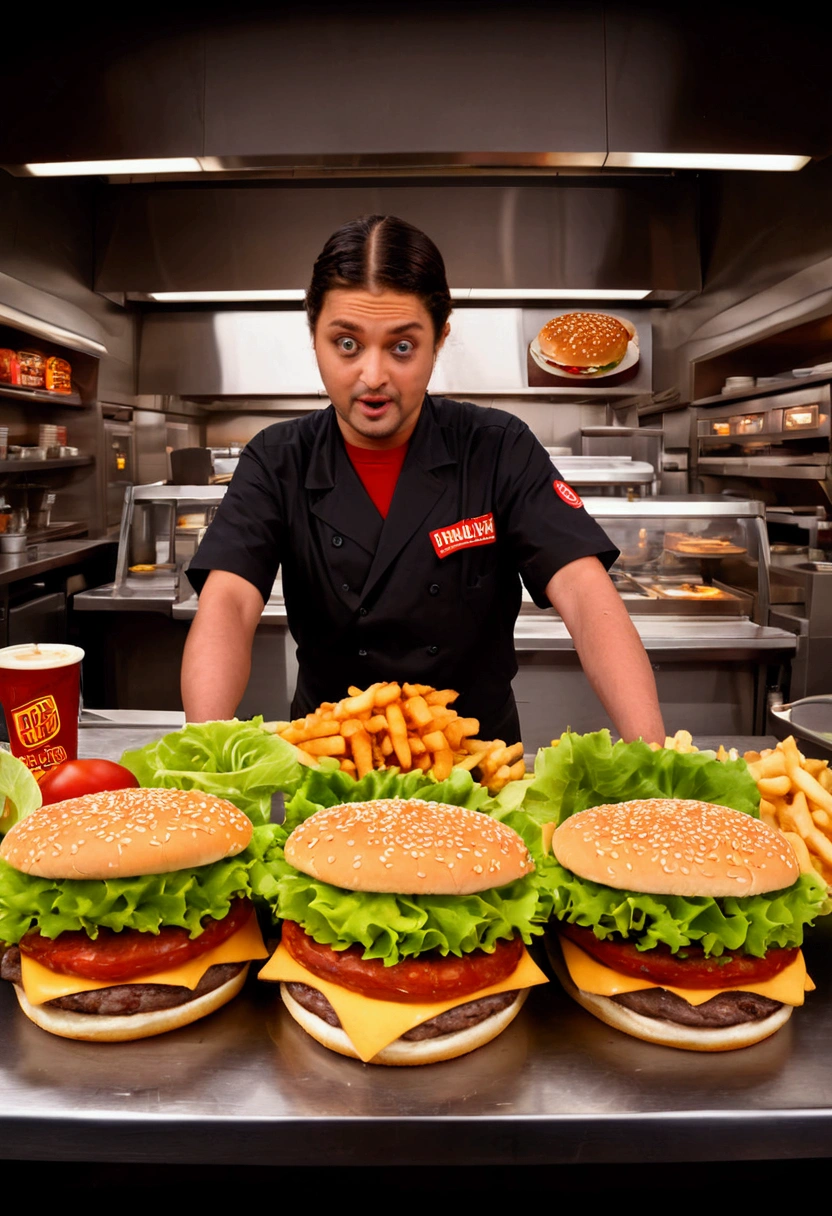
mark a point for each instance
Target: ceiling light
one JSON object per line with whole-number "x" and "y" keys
{"x": 705, "y": 160}
{"x": 225, "y": 297}
{"x": 106, "y": 168}
{"x": 547, "y": 293}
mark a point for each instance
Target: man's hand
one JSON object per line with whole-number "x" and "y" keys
{"x": 217, "y": 659}
{"x": 610, "y": 650}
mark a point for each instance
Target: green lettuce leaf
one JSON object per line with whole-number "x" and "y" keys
{"x": 19, "y": 792}
{"x": 754, "y": 924}
{"x": 395, "y": 927}
{"x": 146, "y": 903}
{"x": 590, "y": 770}
{"x": 234, "y": 760}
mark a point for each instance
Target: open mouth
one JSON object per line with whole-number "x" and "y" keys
{"x": 374, "y": 407}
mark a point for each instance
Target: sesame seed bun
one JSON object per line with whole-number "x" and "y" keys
{"x": 669, "y": 846}
{"x": 584, "y": 340}
{"x": 126, "y": 833}
{"x": 669, "y": 1034}
{"x": 124, "y": 1028}
{"x": 408, "y": 847}
{"x": 404, "y": 1051}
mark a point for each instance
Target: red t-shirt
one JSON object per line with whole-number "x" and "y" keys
{"x": 379, "y": 471}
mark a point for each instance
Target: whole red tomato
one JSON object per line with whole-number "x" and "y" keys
{"x": 76, "y": 777}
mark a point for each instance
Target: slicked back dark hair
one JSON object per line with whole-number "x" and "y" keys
{"x": 381, "y": 252}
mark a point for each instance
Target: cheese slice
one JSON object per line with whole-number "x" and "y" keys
{"x": 40, "y": 984}
{"x": 372, "y": 1024}
{"x": 589, "y": 975}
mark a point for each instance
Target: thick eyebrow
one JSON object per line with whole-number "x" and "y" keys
{"x": 356, "y": 329}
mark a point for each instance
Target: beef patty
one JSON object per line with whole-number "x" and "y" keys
{"x": 727, "y": 1009}
{"x": 125, "y": 999}
{"x": 458, "y": 1018}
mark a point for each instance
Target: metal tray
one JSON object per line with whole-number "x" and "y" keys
{"x": 809, "y": 720}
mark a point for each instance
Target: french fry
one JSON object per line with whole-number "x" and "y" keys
{"x": 774, "y": 785}
{"x": 443, "y": 697}
{"x": 398, "y": 733}
{"x": 362, "y": 752}
{"x": 335, "y": 745}
{"x": 804, "y": 857}
{"x": 443, "y": 762}
{"x": 386, "y": 694}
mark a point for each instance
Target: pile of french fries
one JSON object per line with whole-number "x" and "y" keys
{"x": 411, "y": 726}
{"x": 796, "y": 798}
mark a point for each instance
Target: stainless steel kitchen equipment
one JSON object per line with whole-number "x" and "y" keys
{"x": 694, "y": 575}
{"x": 137, "y": 646}
{"x": 782, "y": 436}
{"x": 612, "y": 475}
{"x": 810, "y": 720}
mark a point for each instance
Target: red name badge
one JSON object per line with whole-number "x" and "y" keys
{"x": 465, "y": 535}
{"x": 567, "y": 494}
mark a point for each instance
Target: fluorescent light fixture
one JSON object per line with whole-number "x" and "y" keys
{"x": 257, "y": 295}
{"x": 546, "y": 293}
{"x": 108, "y": 168}
{"x": 705, "y": 160}
{"x": 225, "y": 297}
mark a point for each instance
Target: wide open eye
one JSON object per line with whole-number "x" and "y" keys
{"x": 403, "y": 347}
{"x": 347, "y": 345}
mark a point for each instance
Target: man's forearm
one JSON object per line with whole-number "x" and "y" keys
{"x": 217, "y": 659}
{"x": 611, "y": 652}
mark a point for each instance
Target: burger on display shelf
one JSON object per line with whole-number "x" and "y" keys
{"x": 127, "y": 914}
{"x": 404, "y": 929}
{"x": 581, "y": 345}
{"x": 681, "y": 922}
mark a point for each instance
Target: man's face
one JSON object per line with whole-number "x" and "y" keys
{"x": 375, "y": 352}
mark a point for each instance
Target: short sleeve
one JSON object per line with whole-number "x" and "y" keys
{"x": 545, "y": 523}
{"x": 246, "y": 534}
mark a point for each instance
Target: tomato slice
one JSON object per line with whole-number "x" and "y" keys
{"x": 430, "y": 977}
{"x": 116, "y": 957}
{"x": 694, "y": 970}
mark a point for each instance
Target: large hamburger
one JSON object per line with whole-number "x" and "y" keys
{"x": 126, "y": 914}
{"x": 584, "y": 343}
{"x": 404, "y": 925}
{"x": 681, "y": 922}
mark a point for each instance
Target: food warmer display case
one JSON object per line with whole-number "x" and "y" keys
{"x": 693, "y": 573}
{"x": 138, "y": 649}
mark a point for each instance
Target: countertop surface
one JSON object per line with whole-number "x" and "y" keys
{"x": 50, "y": 555}
{"x": 246, "y": 1085}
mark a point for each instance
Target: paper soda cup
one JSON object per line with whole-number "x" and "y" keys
{"x": 40, "y": 687}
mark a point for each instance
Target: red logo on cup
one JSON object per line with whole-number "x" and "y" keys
{"x": 464, "y": 535}
{"x": 567, "y": 494}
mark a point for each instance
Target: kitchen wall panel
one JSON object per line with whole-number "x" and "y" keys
{"x": 448, "y": 77}
{"x": 625, "y": 232}
{"x": 130, "y": 86}
{"x": 721, "y": 77}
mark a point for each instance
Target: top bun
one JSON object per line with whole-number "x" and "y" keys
{"x": 584, "y": 339}
{"x": 408, "y": 847}
{"x": 670, "y": 846}
{"x": 124, "y": 833}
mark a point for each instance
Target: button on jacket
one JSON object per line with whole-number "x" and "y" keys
{"x": 369, "y": 598}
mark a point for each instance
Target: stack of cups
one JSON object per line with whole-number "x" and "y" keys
{"x": 40, "y": 691}
{"x": 4, "y": 443}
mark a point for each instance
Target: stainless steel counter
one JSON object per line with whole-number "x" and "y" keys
{"x": 51, "y": 555}
{"x": 248, "y": 1086}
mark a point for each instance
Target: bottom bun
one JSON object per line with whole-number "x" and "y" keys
{"x": 96, "y": 1028}
{"x": 401, "y": 1051}
{"x": 669, "y": 1034}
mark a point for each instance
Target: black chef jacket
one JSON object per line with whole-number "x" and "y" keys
{"x": 369, "y": 598}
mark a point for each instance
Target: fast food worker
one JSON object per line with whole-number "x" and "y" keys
{"x": 403, "y": 523}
